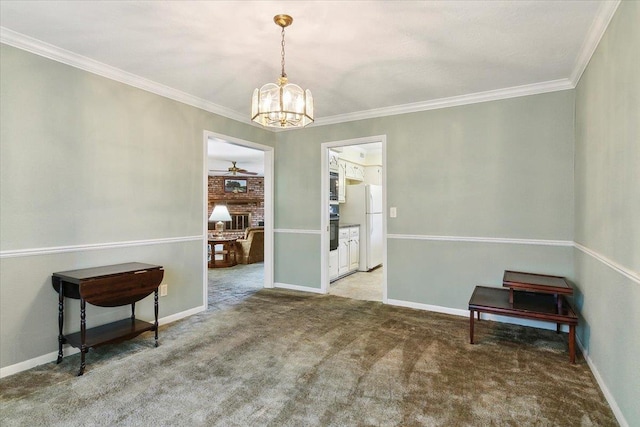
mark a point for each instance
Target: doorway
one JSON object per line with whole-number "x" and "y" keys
{"x": 238, "y": 238}
{"x": 357, "y": 269}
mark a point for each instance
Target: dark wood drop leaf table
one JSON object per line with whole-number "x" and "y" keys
{"x": 107, "y": 286}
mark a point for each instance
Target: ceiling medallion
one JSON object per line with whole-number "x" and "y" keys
{"x": 282, "y": 105}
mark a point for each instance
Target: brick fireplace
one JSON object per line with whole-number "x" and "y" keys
{"x": 246, "y": 208}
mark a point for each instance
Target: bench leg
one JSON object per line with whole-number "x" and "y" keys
{"x": 572, "y": 343}
{"x": 471, "y": 326}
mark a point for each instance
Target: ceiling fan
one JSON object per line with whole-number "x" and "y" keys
{"x": 234, "y": 170}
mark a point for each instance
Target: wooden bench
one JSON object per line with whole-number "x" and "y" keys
{"x": 525, "y": 305}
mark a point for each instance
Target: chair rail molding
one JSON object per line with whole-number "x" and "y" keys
{"x": 96, "y": 246}
{"x": 630, "y": 274}
{"x": 473, "y": 239}
{"x": 295, "y": 231}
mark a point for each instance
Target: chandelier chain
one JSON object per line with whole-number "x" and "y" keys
{"x": 282, "y": 54}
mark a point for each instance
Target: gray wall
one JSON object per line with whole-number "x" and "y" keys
{"x": 607, "y": 225}
{"x": 501, "y": 169}
{"x": 87, "y": 161}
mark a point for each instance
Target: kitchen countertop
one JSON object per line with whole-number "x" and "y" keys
{"x": 346, "y": 224}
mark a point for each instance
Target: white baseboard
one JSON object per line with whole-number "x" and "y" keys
{"x": 67, "y": 350}
{"x": 36, "y": 361}
{"x": 428, "y": 307}
{"x": 298, "y": 288}
{"x": 603, "y": 386}
{"x": 181, "y": 315}
{"x": 485, "y": 316}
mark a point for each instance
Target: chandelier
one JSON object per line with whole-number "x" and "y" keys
{"x": 282, "y": 105}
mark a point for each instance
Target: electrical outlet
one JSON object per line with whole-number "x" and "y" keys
{"x": 164, "y": 289}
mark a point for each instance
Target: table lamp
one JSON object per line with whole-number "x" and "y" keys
{"x": 220, "y": 213}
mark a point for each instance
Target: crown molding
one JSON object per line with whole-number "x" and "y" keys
{"x": 473, "y": 98}
{"x": 598, "y": 27}
{"x": 64, "y": 56}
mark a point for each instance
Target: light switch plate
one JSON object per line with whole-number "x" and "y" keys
{"x": 393, "y": 212}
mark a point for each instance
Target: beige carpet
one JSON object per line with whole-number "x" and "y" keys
{"x": 284, "y": 358}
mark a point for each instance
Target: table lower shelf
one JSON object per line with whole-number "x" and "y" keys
{"x": 110, "y": 333}
{"x": 528, "y": 305}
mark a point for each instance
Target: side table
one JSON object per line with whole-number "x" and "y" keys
{"x": 106, "y": 286}
{"x": 227, "y": 253}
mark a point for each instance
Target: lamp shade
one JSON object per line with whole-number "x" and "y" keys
{"x": 220, "y": 213}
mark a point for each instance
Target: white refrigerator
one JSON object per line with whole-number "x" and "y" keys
{"x": 363, "y": 205}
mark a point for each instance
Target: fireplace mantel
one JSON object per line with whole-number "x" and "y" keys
{"x": 236, "y": 201}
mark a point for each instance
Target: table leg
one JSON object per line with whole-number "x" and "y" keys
{"x": 572, "y": 343}
{"x": 559, "y": 303}
{"x": 83, "y": 335}
{"x": 60, "y": 320}
{"x": 471, "y": 326}
{"x": 155, "y": 310}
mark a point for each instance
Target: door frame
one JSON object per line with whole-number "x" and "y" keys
{"x": 324, "y": 206}
{"x": 268, "y": 205}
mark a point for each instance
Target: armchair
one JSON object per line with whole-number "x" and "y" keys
{"x": 251, "y": 248}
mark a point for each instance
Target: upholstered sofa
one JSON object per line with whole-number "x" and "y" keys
{"x": 251, "y": 248}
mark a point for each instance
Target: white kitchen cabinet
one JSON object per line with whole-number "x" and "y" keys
{"x": 343, "y": 252}
{"x": 342, "y": 181}
{"x": 348, "y": 172}
{"x": 353, "y": 171}
{"x": 348, "y": 169}
{"x": 358, "y": 172}
{"x": 348, "y": 252}
{"x": 373, "y": 175}
{"x": 333, "y": 264}
{"x": 354, "y": 248}
{"x": 333, "y": 161}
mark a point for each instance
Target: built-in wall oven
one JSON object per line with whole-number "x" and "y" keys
{"x": 334, "y": 226}
{"x": 333, "y": 186}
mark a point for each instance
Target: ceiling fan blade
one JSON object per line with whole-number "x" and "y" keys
{"x": 233, "y": 171}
